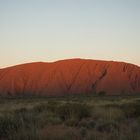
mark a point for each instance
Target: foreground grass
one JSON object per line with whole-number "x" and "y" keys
{"x": 70, "y": 118}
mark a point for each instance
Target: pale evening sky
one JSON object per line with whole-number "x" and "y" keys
{"x": 49, "y": 30}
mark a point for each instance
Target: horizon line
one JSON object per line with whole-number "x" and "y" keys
{"x": 67, "y": 59}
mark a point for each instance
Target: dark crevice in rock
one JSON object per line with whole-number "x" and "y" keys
{"x": 75, "y": 77}
{"x": 134, "y": 84}
{"x": 25, "y": 79}
{"x": 64, "y": 80}
{"x": 125, "y": 67}
{"x": 94, "y": 85}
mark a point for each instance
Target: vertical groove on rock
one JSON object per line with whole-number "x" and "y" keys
{"x": 94, "y": 85}
{"x": 25, "y": 79}
{"x": 75, "y": 77}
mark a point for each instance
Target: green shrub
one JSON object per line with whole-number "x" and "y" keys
{"x": 24, "y": 134}
{"x": 83, "y": 131}
{"x": 107, "y": 126}
{"x": 72, "y": 122}
{"x": 108, "y": 113}
{"x": 54, "y": 120}
{"x": 90, "y": 124}
{"x": 131, "y": 110}
{"x": 73, "y": 110}
{"x": 8, "y": 125}
{"x": 21, "y": 124}
{"x": 39, "y": 108}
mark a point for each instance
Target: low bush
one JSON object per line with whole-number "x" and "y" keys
{"x": 108, "y": 113}
{"x": 73, "y": 110}
{"x": 89, "y": 124}
{"x": 107, "y": 127}
{"x": 8, "y": 125}
{"x": 131, "y": 110}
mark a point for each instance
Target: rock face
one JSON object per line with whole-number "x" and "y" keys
{"x": 74, "y": 76}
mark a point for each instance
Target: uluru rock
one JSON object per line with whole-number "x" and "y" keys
{"x": 73, "y": 76}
